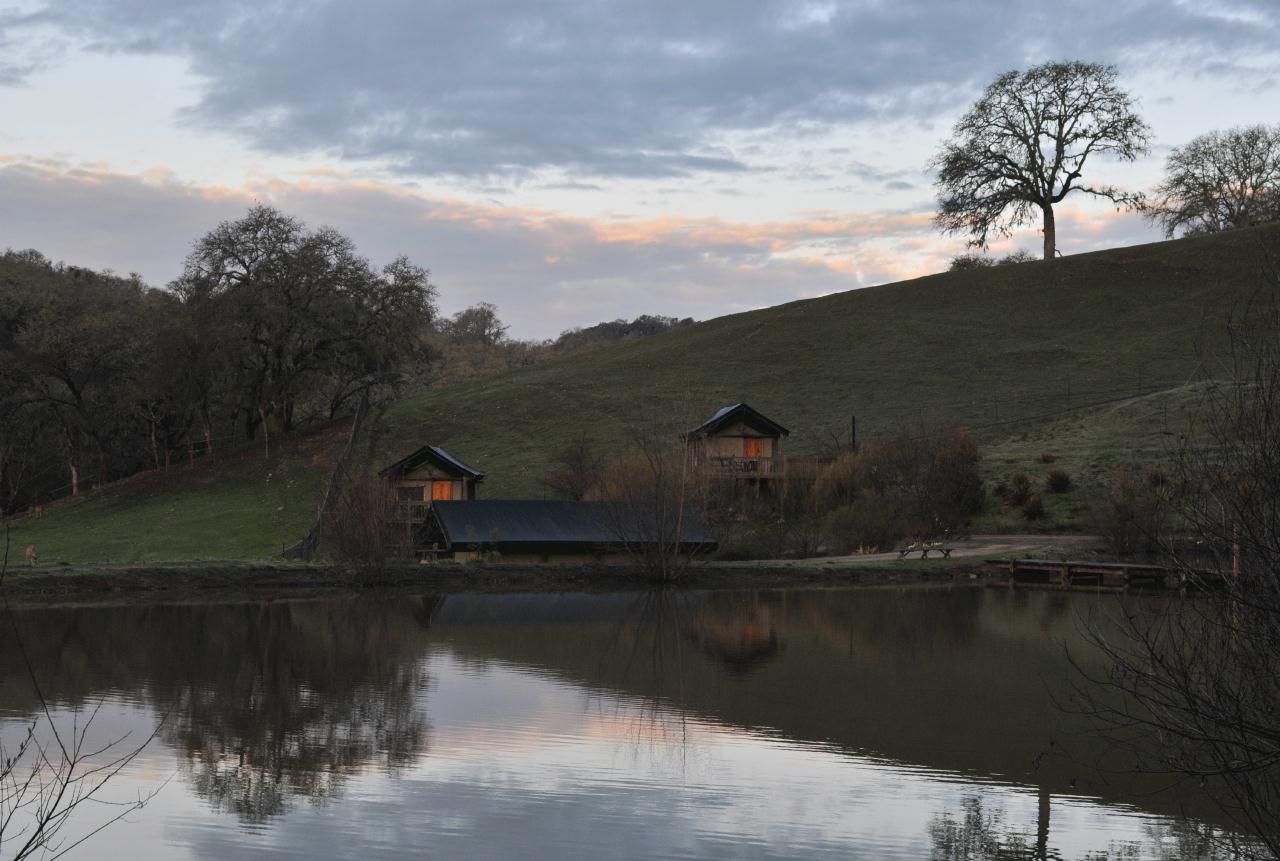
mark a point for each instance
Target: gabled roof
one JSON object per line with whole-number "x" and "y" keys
{"x": 738, "y": 412}
{"x": 547, "y": 526}
{"x": 438, "y": 458}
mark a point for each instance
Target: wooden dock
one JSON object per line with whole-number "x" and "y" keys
{"x": 1096, "y": 576}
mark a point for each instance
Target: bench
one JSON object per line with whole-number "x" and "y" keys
{"x": 925, "y": 549}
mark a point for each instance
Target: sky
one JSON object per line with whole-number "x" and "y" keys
{"x": 573, "y": 161}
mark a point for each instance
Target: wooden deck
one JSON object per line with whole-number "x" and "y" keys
{"x": 1105, "y": 576}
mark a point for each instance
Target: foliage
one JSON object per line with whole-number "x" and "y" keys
{"x": 1201, "y": 675}
{"x": 1220, "y": 181}
{"x": 1019, "y": 489}
{"x": 963, "y": 262}
{"x": 1058, "y": 481}
{"x": 1134, "y": 510}
{"x": 310, "y": 323}
{"x": 1023, "y": 146}
{"x": 360, "y": 528}
{"x": 909, "y": 485}
{"x": 478, "y": 324}
{"x": 603, "y": 334}
{"x": 576, "y": 470}
{"x": 1033, "y": 508}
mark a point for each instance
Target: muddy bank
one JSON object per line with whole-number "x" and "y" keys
{"x": 256, "y": 581}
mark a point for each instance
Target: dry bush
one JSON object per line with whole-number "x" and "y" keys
{"x": 654, "y": 497}
{"x": 918, "y": 486}
{"x": 1133, "y": 511}
{"x": 1047, "y": 457}
{"x": 576, "y": 470}
{"x": 1058, "y": 481}
{"x": 1019, "y": 490}
{"x": 358, "y": 524}
{"x": 1033, "y": 508}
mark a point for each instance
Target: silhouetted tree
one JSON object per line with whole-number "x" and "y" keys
{"x": 1023, "y": 146}
{"x": 1221, "y": 180}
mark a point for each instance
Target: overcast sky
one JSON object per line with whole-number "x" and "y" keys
{"x": 573, "y": 160}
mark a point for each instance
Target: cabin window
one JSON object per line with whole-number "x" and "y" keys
{"x": 409, "y": 494}
{"x": 441, "y": 490}
{"x": 753, "y": 447}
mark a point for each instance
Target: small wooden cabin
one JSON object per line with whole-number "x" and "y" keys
{"x": 738, "y": 441}
{"x": 429, "y": 475}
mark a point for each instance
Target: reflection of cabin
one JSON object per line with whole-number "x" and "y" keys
{"x": 429, "y": 475}
{"x": 530, "y": 530}
{"x": 738, "y": 442}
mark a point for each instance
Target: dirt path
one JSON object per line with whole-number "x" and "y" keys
{"x": 975, "y": 546}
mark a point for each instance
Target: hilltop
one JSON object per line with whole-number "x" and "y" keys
{"x": 1084, "y": 355}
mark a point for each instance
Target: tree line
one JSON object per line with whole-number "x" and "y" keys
{"x": 270, "y": 326}
{"x": 1023, "y": 147}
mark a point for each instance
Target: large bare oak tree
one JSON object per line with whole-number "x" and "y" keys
{"x": 1221, "y": 180}
{"x": 1023, "y": 146}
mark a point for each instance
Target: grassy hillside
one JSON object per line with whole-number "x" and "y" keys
{"x": 1068, "y": 355}
{"x": 1001, "y": 350}
{"x": 237, "y": 505}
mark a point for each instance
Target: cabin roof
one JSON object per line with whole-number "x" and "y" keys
{"x": 438, "y": 458}
{"x": 545, "y": 526}
{"x": 742, "y": 412}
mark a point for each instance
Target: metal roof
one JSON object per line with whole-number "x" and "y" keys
{"x": 746, "y": 413}
{"x": 437, "y": 456}
{"x": 533, "y": 525}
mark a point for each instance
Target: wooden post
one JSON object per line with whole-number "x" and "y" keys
{"x": 853, "y": 433}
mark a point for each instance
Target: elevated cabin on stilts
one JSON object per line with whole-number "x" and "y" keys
{"x": 740, "y": 443}
{"x": 429, "y": 475}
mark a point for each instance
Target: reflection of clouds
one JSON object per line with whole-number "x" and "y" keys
{"x": 573, "y": 786}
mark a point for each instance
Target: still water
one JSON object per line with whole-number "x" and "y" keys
{"x": 895, "y": 723}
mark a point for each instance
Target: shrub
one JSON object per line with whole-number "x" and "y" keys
{"x": 1058, "y": 481}
{"x": 1047, "y": 457}
{"x": 1033, "y": 508}
{"x": 865, "y": 523}
{"x": 1133, "y": 511}
{"x": 1019, "y": 489}
{"x": 910, "y": 485}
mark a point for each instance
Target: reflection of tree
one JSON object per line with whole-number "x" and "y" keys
{"x": 981, "y": 833}
{"x": 267, "y": 702}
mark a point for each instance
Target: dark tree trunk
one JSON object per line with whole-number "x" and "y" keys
{"x": 1050, "y": 233}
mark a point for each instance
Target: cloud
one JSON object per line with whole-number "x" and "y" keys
{"x": 546, "y": 271}
{"x": 505, "y": 89}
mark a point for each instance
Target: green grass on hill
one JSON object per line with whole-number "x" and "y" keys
{"x": 238, "y": 505}
{"x": 1004, "y": 351}
{"x": 1089, "y": 445}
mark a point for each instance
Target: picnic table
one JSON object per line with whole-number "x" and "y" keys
{"x": 924, "y": 548}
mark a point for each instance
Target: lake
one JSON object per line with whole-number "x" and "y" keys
{"x": 808, "y": 723}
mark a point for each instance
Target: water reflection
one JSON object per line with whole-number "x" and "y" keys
{"x": 980, "y": 831}
{"x": 898, "y": 723}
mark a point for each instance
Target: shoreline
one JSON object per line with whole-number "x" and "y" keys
{"x": 94, "y": 584}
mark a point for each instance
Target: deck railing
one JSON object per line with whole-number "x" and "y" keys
{"x": 745, "y": 465}
{"x": 411, "y": 512}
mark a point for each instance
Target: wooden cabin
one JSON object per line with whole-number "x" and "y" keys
{"x": 738, "y": 442}
{"x": 429, "y": 475}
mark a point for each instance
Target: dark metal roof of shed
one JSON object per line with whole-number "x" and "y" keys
{"x": 436, "y": 456}
{"x": 545, "y": 525}
{"x": 744, "y": 412}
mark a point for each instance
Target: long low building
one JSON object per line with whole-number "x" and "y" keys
{"x": 529, "y": 530}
